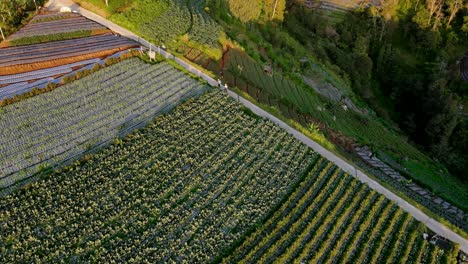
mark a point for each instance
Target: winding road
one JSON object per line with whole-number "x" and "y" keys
{"x": 431, "y": 223}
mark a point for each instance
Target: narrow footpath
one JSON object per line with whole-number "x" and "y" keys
{"x": 431, "y": 223}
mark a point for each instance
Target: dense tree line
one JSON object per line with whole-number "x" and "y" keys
{"x": 12, "y": 12}
{"x": 401, "y": 58}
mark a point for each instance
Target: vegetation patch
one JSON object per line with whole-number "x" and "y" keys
{"x": 56, "y": 37}
{"x": 194, "y": 183}
{"x": 109, "y": 103}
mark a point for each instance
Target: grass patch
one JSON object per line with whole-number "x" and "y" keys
{"x": 99, "y": 6}
{"x": 56, "y": 37}
{"x": 446, "y": 187}
{"x": 52, "y": 18}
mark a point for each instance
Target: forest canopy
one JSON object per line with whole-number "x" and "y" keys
{"x": 12, "y": 12}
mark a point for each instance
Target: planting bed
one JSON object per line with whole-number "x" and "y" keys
{"x": 61, "y": 49}
{"x": 58, "y": 126}
{"x": 63, "y": 25}
{"x": 194, "y": 184}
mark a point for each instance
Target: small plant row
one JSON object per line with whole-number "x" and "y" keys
{"x": 204, "y": 29}
{"x": 55, "y": 27}
{"x": 82, "y": 44}
{"x": 182, "y": 189}
{"x": 333, "y": 218}
{"x": 51, "y": 128}
{"x": 172, "y": 23}
{"x": 51, "y": 17}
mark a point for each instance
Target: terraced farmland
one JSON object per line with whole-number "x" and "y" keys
{"x": 333, "y": 218}
{"x": 59, "y": 126}
{"x": 193, "y": 183}
{"x": 30, "y": 57}
{"x": 164, "y": 22}
{"x": 55, "y": 23}
{"x": 204, "y": 29}
{"x": 17, "y": 84}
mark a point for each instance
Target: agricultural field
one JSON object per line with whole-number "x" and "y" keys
{"x": 56, "y": 23}
{"x": 59, "y": 126}
{"x": 204, "y": 29}
{"x": 195, "y": 183}
{"x": 17, "y": 84}
{"x": 53, "y": 46}
{"x": 21, "y": 59}
{"x": 333, "y": 218}
{"x": 278, "y": 91}
{"x": 165, "y": 22}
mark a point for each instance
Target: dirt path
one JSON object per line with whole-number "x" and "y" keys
{"x": 433, "y": 224}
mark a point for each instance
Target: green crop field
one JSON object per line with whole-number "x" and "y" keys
{"x": 333, "y": 218}
{"x": 164, "y": 22}
{"x": 365, "y": 129}
{"x": 207, "y": 182}
{"x": 59, "y": 126}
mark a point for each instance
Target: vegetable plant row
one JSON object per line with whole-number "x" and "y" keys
{"x": 51, "y": 128}
{"x": 333, "y": 218}
{"x": 56, "y": 26}
{"x": 181, "y": 189}
{"x": 195, "y": 183}
{"x": 204, "y": 29}
{"x": 165, "y": 21}
{"x": 172, "y": 23}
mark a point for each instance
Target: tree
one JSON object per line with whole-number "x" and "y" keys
{"x": 438, "y": 15}
{"x": 1, "y": 31}
{"x": 432, "y": 6}
{"x": 274, "y": 9}
{"x": 453, "y": 7}
{"x": 421, "y": 17}
{"x": 464, "y": 27}
{"x": 245, "y": 10}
